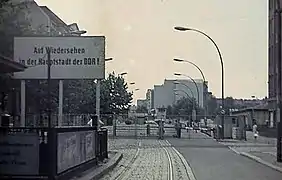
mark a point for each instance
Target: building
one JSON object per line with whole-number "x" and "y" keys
{"x": 259, "y": 114}
{"x": 150, "y": 99}
{"x": 43, "y": 22}
{"x": 169, "y": 92}
{"x": 142, "y": 103}
{"x": 272, "y": 59}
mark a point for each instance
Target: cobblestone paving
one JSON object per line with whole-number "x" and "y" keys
{"x": 145, "y": 159}
{"x": 179, "y": 171}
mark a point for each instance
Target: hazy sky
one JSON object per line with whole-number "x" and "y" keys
{"x": 140, "y": 38}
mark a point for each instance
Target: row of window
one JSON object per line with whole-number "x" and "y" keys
{"x": 272, "y": 86}
{"x": 273, "y": 3}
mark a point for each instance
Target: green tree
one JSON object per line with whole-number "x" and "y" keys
{"x": 115, "y": 97}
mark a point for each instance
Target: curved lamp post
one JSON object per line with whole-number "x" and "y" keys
{"x": 109, "y": 59}
{"x": 176, "y": 82}
{"x": 122, "y": 74}
{"x": 188, "y": 96}
{"x": 222, "y": 68}
{"x": 203, "y": 76}
{"x": 178, "y": 74}
{"x": 193, "y": 106}
{"x": 190, "y": 62}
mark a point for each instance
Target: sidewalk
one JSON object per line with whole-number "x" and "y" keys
{"x": 262, "y": 150}
{"x": 102, "y": 168}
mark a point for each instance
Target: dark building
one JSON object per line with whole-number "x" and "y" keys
{"x": 272, "y": 59}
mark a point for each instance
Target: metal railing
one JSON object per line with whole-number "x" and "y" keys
{"x": 102, "y": 152}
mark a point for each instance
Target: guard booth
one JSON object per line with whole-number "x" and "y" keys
{"x": 7, "y": 65}
{"x": 234, "y": 128}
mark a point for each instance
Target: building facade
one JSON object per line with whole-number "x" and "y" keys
{"x": 150, "y": 99}
{"x": 170, "y": 92}
{"x": 272, "y": 59}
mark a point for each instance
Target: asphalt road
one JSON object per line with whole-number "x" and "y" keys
{"x": 210, "y": 160}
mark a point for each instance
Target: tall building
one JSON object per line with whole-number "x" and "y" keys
{"x": 150, "y": 99}
{"x": 272, "y": 59}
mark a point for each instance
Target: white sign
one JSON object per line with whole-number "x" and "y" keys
{"x": 19, "y": 154}
{"x": 78, "y": 57}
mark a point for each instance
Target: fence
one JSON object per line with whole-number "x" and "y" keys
{"x": 41, "y": 120}
{"x": 49, "y": 153}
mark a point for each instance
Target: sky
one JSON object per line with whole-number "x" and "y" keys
{"x": 141, "y": 39}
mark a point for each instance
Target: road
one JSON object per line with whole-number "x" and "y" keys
{"x": 210, "y": 160}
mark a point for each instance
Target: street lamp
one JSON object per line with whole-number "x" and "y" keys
{"x": 203, "y": 76}
{"x": 188, "y": 96}
{"x": 108, "y": 59}
{"x": 182, "y": 60}
{"x": 179, "y": 28}
{"x": 176, "y": 83}
{"x": 179, "y": 74}
{"x": 122, "y": 74}
{"x": 79, "y": 32}
{"x": 192, "y": 101}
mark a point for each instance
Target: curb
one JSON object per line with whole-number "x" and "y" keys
{"x": 97, "y": 172}
{"x": 257, "y": 159}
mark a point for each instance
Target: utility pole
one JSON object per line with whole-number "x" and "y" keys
{"x": 278, "y": 61}
{"x": 49, "y": 86}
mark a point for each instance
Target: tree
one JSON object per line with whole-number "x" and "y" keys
{"x": 115, "y": 97}
{"x": 15, "y": 22}
{"x": 184, "y": 107}
{"x": 169, "y": 110}
{"x": 80, "y": 96}
{"x": 212, "y": 106}
{"x": 229, "y": 104}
